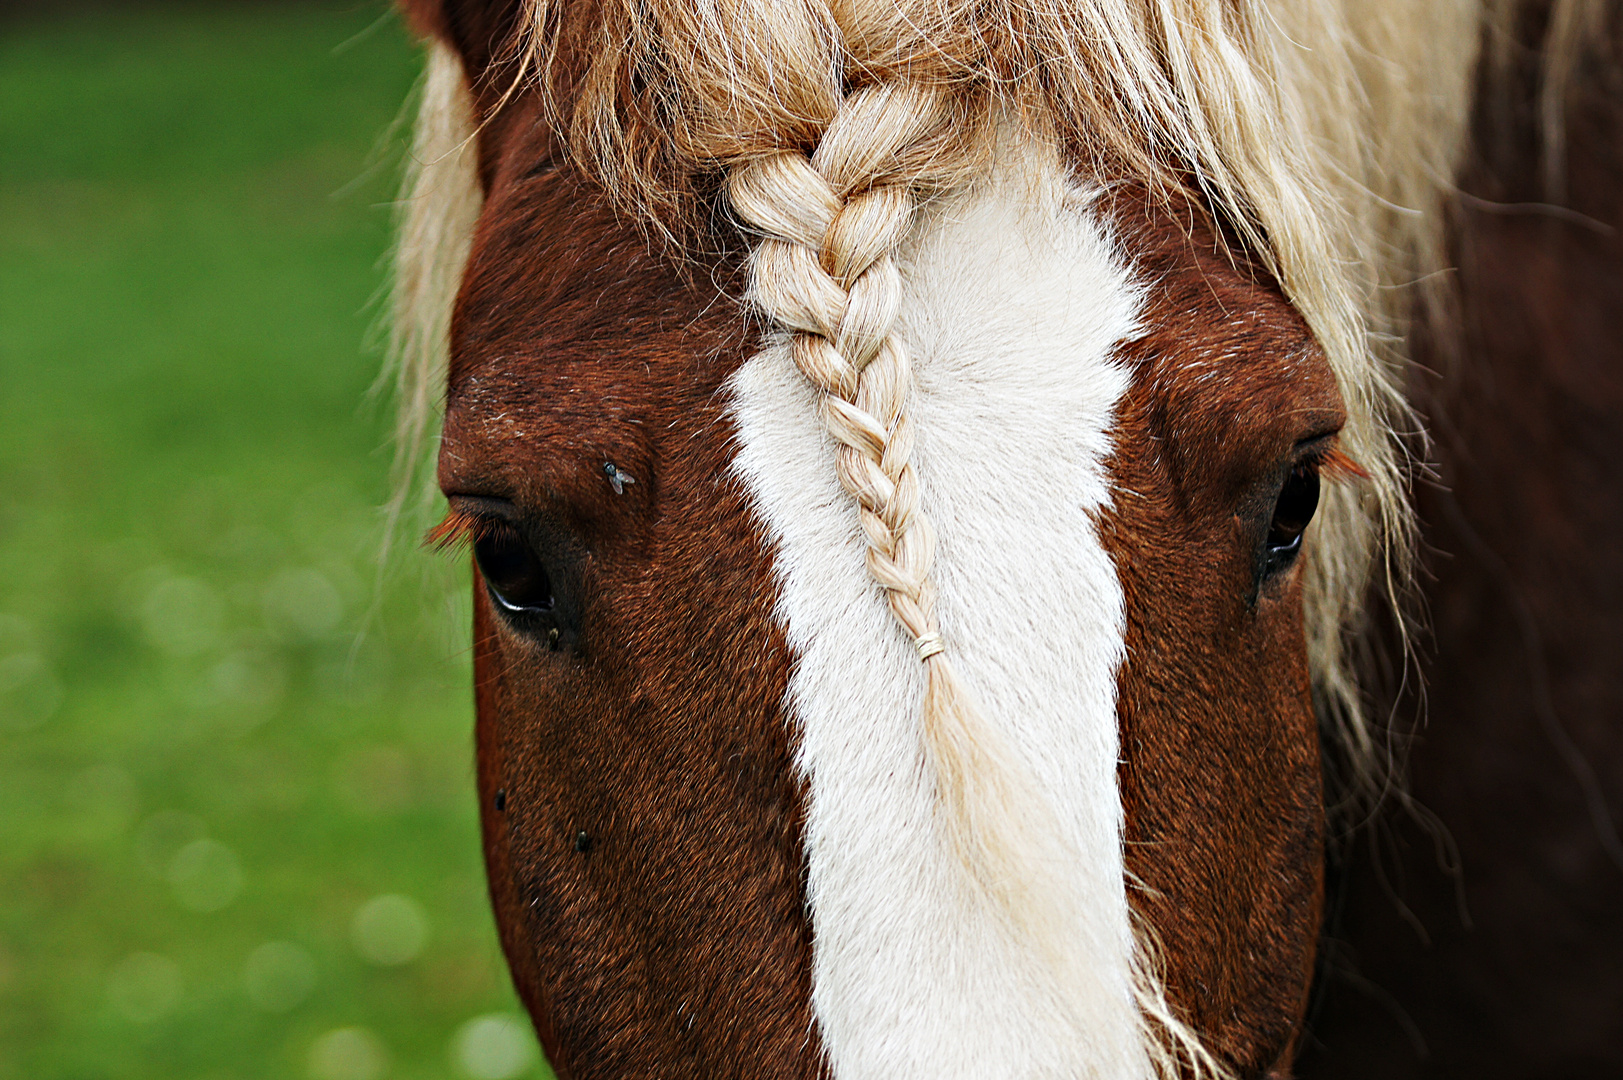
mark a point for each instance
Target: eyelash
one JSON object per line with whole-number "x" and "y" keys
{"x": 458, "y": 530}
{"x": 1334, "y": 463}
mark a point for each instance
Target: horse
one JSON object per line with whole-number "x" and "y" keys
{"x": 936, "y": 475}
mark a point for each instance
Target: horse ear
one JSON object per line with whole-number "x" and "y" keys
{"x": 481, "y": 31}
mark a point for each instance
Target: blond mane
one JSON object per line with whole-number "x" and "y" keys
{"x": 1324, "y": 134}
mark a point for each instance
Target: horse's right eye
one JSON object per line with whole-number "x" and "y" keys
{"x": 513, "y": 572}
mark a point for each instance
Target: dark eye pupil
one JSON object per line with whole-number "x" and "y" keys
{"x": 1297, "y": 501}
{"x": 515, "y": 576}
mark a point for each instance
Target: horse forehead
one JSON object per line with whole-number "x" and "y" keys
{"x": 1225, "y": 367}
{"x": 526, "y": 426}
{"x": 572, "y": 341}
{"x": 577, "y": 337}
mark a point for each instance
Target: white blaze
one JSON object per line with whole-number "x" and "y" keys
{"x": 1015, "y": 303}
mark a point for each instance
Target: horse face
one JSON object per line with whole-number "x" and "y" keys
{"x": 711, "y": 839}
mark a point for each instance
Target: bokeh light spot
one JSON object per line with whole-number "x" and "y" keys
{"x": 249, "y": 684}
{"x": 303, "y": 601}
{"x": 182, "y": 616}
{"x": 205, "y": 876}
{"x": 30, "y": 692}
{"x": 161, "y": 837}
{"x": 144, "y": 987}
{"x": 351, "y": 1053}
{"x": 390, "y": 929}
{"x": 279, "y": 975}
{"x": 494, "y": 1047}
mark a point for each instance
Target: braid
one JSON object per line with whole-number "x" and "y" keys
{"x": 824, "y": 269}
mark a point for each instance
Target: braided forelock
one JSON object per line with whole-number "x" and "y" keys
{"x": 823, "y": 270}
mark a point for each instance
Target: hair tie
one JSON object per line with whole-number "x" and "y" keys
{"x": 929, "y": 645}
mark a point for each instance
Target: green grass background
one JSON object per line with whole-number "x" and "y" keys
{"x": 218, "y": 729}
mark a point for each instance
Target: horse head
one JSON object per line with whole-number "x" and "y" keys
{"x": 920, "y": 480}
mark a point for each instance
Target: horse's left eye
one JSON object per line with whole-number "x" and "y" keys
{"x": 1292, "y": 511}
{"x": 513, "y": 572}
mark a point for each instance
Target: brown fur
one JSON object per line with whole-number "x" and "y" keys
{"x": 1220, "y": 771}
{"x": 676, "y": 944}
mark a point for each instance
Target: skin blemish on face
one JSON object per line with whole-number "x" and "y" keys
{"x": 618, "y": 478}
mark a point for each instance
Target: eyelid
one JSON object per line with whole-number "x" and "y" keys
{"x": 1325, "y": 453}
{"x": 463, "y": 524}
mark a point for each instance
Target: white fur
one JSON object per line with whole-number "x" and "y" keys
{"x": 1015, "y": 303}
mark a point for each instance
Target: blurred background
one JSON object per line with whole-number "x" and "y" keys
{"x": 238, "y": 831}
